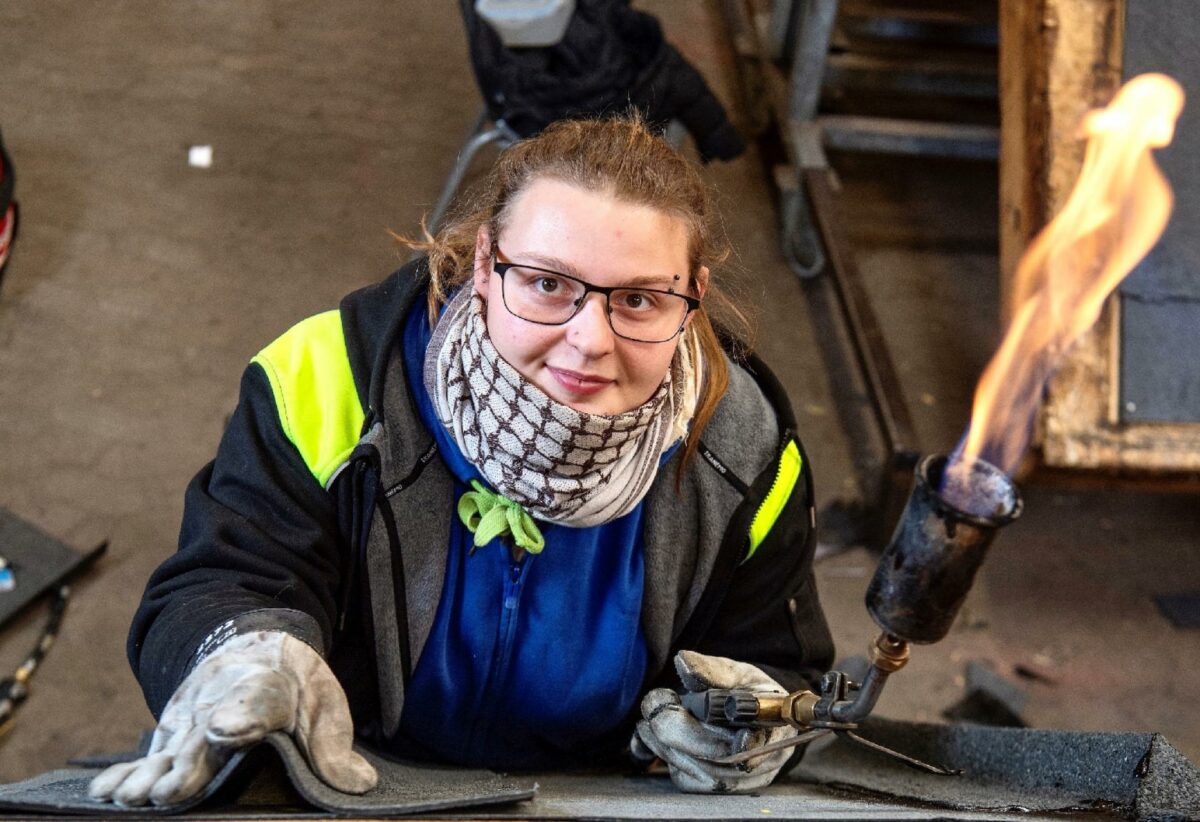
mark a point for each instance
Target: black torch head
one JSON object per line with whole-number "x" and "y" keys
{"x": 927, "y": 569}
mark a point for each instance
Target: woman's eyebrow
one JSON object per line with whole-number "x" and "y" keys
{"x": 552, "y": 263}
{"x": 665, "y": 281}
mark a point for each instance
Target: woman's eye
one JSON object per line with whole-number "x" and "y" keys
{"x": 547, "y": 285}
{"x": 637, "y": 301}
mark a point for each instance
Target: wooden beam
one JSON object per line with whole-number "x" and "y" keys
{"x": 1058, "y": 59}
{"x": 1023, "y": 141}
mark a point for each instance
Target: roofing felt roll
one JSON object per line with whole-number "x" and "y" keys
{"x": 274, "y": 777}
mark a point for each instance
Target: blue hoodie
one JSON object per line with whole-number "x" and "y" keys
{"x": 502, "y": 681}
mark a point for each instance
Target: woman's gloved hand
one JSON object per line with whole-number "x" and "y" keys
{"x": 688, "y": 745}
{"x": 248, "y": 687}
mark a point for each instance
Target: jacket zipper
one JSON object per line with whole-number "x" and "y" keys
{"x": 360, "y": 468}
{"x": 514, "y": 584}
{"x": 787, "y": 438}
{"x": 731, "y": 553}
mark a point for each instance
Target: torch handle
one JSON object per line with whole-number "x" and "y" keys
{"x": 740, "y": 708}
{"x": 711, "y": 706}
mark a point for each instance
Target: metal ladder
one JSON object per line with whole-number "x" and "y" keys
{"x": 873, "y": 76}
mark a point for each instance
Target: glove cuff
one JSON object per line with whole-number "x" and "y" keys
{"x": 284, "y": 620}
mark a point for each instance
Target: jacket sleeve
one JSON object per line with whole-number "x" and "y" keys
{"x": 257, "y": 550}
{"x": 770, "y": 615}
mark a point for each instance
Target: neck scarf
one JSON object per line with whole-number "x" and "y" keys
{"x": 561, "y": 465}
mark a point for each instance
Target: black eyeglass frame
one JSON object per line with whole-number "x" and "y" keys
{"x": 607, "y": 290}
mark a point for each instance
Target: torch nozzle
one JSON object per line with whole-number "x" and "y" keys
{"x": 921, "y": 581}
{"x": 927, "y": 569}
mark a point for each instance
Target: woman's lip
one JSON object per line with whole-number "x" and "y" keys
{"x": 576, "y": 383}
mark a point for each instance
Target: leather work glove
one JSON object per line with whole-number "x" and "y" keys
{"x": 249, "y": 686}
{"x": 688, "y": 745}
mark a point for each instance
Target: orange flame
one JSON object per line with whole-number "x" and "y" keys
{"x": 1112, "y": 218}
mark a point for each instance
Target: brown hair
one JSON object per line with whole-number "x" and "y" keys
{"x": 625, "y": 158}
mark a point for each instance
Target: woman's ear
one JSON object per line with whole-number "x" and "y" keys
{"x": 701, "y": 281}
{"x": 699, "y": 286}
{"x": 483, "y": 261}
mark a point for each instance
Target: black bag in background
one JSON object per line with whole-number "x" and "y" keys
{"x": 8, "y": 208}
{"x": 610, "y": 58}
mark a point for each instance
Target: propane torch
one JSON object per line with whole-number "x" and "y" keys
{"x": 922, "y": 578}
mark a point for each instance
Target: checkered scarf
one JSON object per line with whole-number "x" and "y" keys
{"x": 561, "y": 465}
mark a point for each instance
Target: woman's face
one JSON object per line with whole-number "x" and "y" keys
{"x": 603, "y": 241}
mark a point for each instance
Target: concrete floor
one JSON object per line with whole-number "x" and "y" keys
{"x": 140, "y": 287}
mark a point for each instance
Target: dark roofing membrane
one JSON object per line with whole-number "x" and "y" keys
{"x": 1008, "y": 774}
{"x": 1131, "y": 774}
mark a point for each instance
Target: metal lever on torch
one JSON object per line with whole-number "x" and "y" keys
{"x": 816, "y": 733}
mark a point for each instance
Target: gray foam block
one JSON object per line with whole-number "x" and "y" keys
{"x": 1138, "y": 774}
{"x": 38, "y": 562}
{"x": 1182, "y": 609}
{"x": 274, "y": 776}
{"x": 990, "y": 699}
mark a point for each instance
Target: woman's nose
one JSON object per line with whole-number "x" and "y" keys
{"x": 589, "y": 330}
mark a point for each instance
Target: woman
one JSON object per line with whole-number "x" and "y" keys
{"x": 472, "y": 515}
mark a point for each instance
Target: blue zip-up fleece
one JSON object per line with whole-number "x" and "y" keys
{"x": 533, "y": 686}
{"x": 329, "y": 513}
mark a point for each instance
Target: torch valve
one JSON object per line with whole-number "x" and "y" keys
{"x": 889, "y": 653}
{"x": 752, "y": 709}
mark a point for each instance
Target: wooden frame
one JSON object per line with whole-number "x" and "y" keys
{"x": 1058, "y": 59}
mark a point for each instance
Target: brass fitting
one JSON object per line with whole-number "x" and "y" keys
{"x": 800, "y": 707}
{"x": 889, "y": 653}
{"x": 770, "y": 708}
{"x": 795, "y": 709}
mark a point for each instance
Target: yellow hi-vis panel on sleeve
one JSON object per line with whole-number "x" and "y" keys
{"x": 790, "y": 464}
{"x": 314, "y": 392}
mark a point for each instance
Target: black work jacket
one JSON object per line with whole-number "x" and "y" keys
{"x": 344, "y": 545}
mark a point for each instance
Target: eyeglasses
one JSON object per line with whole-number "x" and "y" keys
{"x": 545, "y": 297}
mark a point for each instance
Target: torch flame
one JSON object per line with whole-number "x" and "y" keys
{"x": 1112, "y": 218}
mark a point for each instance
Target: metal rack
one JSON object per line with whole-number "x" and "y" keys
{"x": 871, "y": 76}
